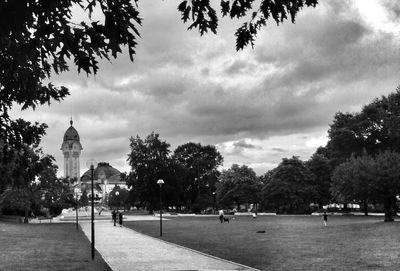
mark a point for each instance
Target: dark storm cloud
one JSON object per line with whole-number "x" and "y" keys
{"x": 278, "y": 149}
{"x": 242, "y": 144}
{"x": 239, "y": 67}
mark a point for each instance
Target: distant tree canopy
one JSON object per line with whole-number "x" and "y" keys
{"x": 118, "y": 197}
{"x": 149, "y": 160}
{"x": 238, "y": 185}
{"x": 199, "y": 165}
{"x": 47, "y": 195}
{"x": 373, "y": 130}
{"x": 290, "y": 187}
{"x": 189, "y": 174}
{"x": 369, "y": 179}
{"x": 320, "y": 166}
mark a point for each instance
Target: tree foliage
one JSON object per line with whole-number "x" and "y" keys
{"x": 203, "y": 16}
{"x": 320, "y": 166}
{"x": 290, "y": 188}
{"x": 44, "y": 194}
{"x": 352, "y": 180}
{"x": 118, "y": 197}
{"x": 237, "y": 185}
{"x": 373, "y": 130}
{"x": 149, "y": 160}
{"x": 199, "y": 166}
{"x": 368, "y": 178}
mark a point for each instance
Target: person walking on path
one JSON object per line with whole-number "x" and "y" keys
{"x": 114, "y": 217}
{"x": 221, "y": 215}
{"x": 325, "y": 217}
{"x": 120, "y": 218}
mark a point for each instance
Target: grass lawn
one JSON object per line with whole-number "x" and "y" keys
{"x": 46, "y": 247}
{"x": 289, "y": 242}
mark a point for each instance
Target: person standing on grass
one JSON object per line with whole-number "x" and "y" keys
{"x": 120, "y": 218}
{"x": 221, "y": 215}
{"x": 325, "y": 217}
{"x": 114, "y": 217}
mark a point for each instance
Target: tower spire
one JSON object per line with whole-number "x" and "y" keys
{"x": 71, "y": 122}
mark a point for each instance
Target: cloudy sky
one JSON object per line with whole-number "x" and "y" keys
{"x": 257, "y": 106}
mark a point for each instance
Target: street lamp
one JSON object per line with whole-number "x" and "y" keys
{"x": 160, "y": 182}
{"x": 92, "y": 164}
{"x": 117, "y": 196}
{"x": 76, "y": 208}
{"x": 214, "y": 198}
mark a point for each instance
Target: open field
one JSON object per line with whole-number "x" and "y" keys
{"x": 289, "y": 242}
{"x": 46, "y": 247}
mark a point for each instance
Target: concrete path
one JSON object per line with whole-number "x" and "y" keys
{"x": 124, "y": 249}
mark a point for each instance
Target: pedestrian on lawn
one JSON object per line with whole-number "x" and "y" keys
{"x": 114, "y": 217}
{"x": 325, "y": 217}
{"x": 120, "y": 218}
{"x": 221, "y": 215}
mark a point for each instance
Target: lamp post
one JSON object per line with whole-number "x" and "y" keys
{"x": 76, "y": 208}
{"x": 214, "y": 198}
{"x": 117, "y": 197}
{"x": 160, "y": 182}
{"x": 92, "y": 164}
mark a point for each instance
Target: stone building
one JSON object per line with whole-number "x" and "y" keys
{"x": 105, "y": 176}
{"x": 71, "y": 149}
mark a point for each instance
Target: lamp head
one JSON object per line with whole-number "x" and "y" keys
{"x": 160, "y": 182}
{"x": 91, "y": 163}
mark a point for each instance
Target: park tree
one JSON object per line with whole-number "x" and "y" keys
{"x": 199, "y": 166}
{"x": 346, "y": 137}
{"x": 320, "y": 166}
{"x": 376, "y": 178}
{"x": 238, "y": 185}
{"x": 43, "y": 191}
{"x": 291, "y": 187}
{"x": 352, "y": 181}
{"x": 149, "y": 160}
{"x": 386, "y": 185}
{"x": 374, "y": 129}
{"x": 118, "y": 197}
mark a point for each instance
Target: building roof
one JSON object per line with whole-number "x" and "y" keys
{"x": 102, "y": 172}
{"x": 71, "y": 133}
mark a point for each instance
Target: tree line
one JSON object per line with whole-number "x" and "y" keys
{"x": 359, "y": 164}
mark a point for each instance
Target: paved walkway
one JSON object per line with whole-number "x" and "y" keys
{"x": 124, "y": 249}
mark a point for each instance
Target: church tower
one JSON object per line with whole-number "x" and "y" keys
{"x": 71, "y": 148}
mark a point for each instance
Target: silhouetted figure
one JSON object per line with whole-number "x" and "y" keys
{"x": 120, "y": 218}
{"x": 221, "y": 215}
{"x": 114, "y": 217}
{"x": 325, "y": 216}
